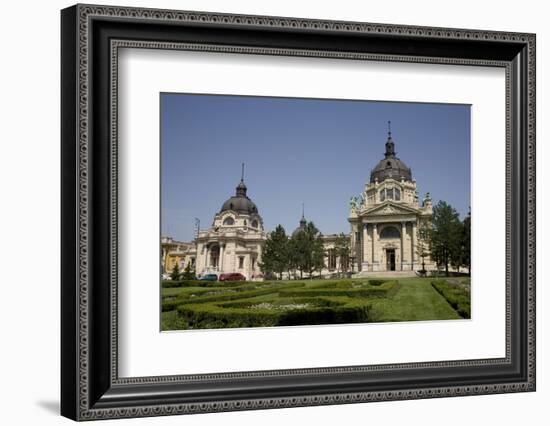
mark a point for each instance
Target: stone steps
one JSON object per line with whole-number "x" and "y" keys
{"x": 385, "y": 274}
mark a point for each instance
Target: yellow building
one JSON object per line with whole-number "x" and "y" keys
{"x": 175, "y": 252}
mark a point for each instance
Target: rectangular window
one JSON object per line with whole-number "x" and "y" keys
{"x": 241, "y": 262}
{"x": 332, "y": 259}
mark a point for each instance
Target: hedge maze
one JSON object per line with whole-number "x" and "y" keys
{"x": 202, "y": 304}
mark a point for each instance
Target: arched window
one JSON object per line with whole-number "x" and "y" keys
{"x": 397, "y": 194}
{"x": 228, "y": 221}
{"x": 389, "y": 232}
{"x": 254, "y": 223}
{"x": 390, "y": 194}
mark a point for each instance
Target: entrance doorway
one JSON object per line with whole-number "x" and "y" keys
{"x": 390, "y": 260}
{"x": 214, "y": 256}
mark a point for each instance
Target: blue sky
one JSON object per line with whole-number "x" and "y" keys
{"x": 311, "y": 151}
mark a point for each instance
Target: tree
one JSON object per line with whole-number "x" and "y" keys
{"x": 307, "y": 250}
{"x": 445, "y": 235}
{"x": 275, "y": 256}
{"x": 466, "y": 242}
{"x": 423, "y": 243}
{"x": 175, "y": 274}
{"x": 188, "y": 273}
{"x": 342, "y": 250}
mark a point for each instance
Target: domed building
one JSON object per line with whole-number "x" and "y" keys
{"x": 386, "y": 218}
{"x": 301, "y": 227}
{"x": 234, "y": 241}
{"x": 384, "y": 236}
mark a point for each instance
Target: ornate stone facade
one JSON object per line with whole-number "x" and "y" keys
{"x": 384, "y": 236}
{"x": 233, "y": 243}
{"x": 386, "y": 217}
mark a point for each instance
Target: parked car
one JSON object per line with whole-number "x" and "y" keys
{"x": 234, "y": 276}
{"x": 209, "y": 277}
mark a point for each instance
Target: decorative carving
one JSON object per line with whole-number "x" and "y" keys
{"x": 389, "y": 209}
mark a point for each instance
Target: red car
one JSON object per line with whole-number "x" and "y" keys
{"x": 234, "y": 276}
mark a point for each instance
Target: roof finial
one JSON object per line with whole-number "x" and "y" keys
{"x": 303, "y": 221}
{"x": 389, "y": 128}
{"x": 241, "y": 187}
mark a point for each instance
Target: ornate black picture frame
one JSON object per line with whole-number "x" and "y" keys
{"x": 91, "y": 387}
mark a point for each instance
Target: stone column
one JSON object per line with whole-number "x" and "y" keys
{"x": 403, "y": 231}
{"x": 413, "y": 240}
{"x": 374, "y": 246}
{"x": 365, "y": 249}
{"x": 220, "y": 260}
{"x": 356, "y": 244}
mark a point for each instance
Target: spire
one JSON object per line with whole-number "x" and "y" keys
{"x": 241, "y": 187}
{"x": 390, "y": 147}
{"x": 303, "y": 221}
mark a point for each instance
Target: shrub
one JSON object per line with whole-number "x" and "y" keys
{"x": 244, "y": 293}
{"x": 201, "y": 283}
{"x": 273, "y": 303}
{"x": 170, "y": 303}
{"x": 455, "y": 295}
{"x": 385, "y": 289}
{"x": 182, "y": 283}
{"x": 209, "y": 315}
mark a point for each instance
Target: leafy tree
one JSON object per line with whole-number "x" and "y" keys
{"x": 188, "y": 273}
{"x": 307, "y": 250}
{"x": 423, "y": 243}
{"x": 275, "y": 256}
{"x": 175, "y": 274}
{"x": 466, "y": 242}
{"x": 342, "y": 250}
{"x": 445, "y": 235}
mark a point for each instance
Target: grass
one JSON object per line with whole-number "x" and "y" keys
{"x": 416, "y": 300}
{"x": 273, "y": 303}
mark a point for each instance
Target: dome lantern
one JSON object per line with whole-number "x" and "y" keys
{"x": 390, "y": 167}
{"x": 240, "y": 203}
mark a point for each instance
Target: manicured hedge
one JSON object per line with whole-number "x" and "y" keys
{"x": 244, "y": 294}
{"x": 383, "y": 290}
{"x": 214, "y": 315}
{"x": 273, "y": 303}
{"x": 457, "y": 297}
{"x": 200, "y": 283}
{"x": 170, "y": 303}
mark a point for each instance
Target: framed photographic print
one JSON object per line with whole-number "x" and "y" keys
{"x": 263, "y": 212}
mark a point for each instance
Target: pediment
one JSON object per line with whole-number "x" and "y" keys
{"x": 388, "y": 208}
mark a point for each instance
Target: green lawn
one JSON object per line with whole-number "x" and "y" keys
{"x": 305, "y": 302}
{"x": 416, "y": 300}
